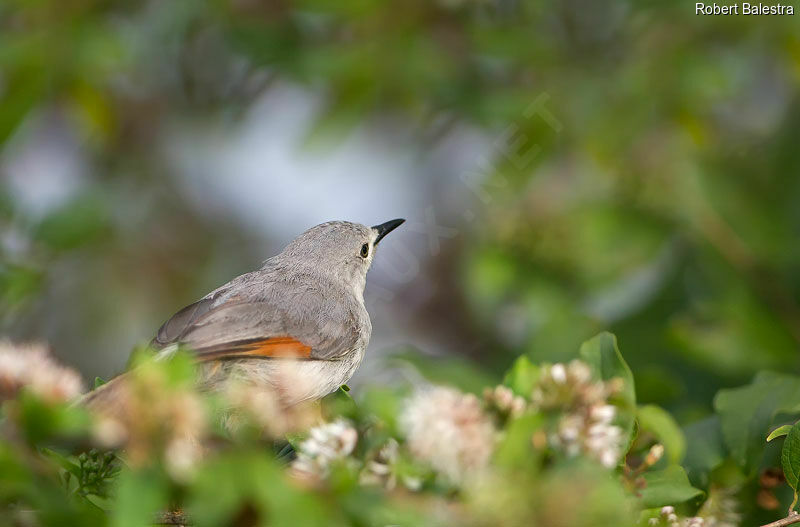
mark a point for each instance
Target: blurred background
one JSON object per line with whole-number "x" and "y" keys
{"x": 565, "y": 167}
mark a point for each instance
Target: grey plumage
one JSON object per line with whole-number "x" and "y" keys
{"x": 312, "y": 292}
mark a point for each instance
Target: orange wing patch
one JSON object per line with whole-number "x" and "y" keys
{"x": 272, "y": 348}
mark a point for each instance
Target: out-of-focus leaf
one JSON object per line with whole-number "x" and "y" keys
{"x": 579, "y": 496}
{"x": 522, "y": 376}
{"x": 662, "y": 425}
{"x": 746, "y": 413}
{"x": 603, "y": 356}
{"x": 42, "y": 420}
{"x": 452, "y": 371}
{"x": 779, "y": 432}
{"x": 141, "y": 495}
{"x": 383, "y": 403}
{"x": 79, "y": 223}
{"x": 15, "y": 477}
{"x": 19, "y": 283}
{"x": 516, "y": 449}
{"x": 790, "y": 457}
{"x": 179, "y": 369}
{"x": 26, "y": 86}
{"x": 707, "y": 450}
{"x": 64, "y": 461}
{"x": 252, "y": 481}
{"x": 667, "y": 487}
{"x": 340, "y": 403}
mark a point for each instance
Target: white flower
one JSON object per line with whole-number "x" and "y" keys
{"x": 608, "y": 457}
{"x": 262, "y": 406}
{"x": 144, "y": 413}
{"x": 379, "y": 470}
{"x": 720, "y": 509}
{"x": 584, "y": 426}
{"x": 604, "y": 413}
{"x": 181, "y": 456}
{"x": 656, "y": 452}
{"x": 570, "y": 428}
{"x": 503, "y": 398}
{"x": 579, "y": 371}
{"x": 325, "y": 444}
{"x": 109, "y": 432}
{"x": 558, "y": 373}
{"x": 32, "y": 367}
{"x": 449, "y": 430}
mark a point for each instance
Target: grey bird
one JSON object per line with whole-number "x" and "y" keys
{"x": 298, "y": 324}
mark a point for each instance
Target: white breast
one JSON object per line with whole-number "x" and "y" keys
{"x": 294, "y": 380}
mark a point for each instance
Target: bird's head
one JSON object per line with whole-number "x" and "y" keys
{"x": 340, "y": 251}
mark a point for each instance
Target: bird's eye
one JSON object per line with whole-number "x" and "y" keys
{"x": 365, "y": 250}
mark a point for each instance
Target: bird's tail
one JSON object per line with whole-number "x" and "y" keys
{"x": 107, "y": 398}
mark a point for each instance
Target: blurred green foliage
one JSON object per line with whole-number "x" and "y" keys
{"x": 644, "y": 176}
{"x": 51, "y": 475}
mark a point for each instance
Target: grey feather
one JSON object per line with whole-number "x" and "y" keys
{"x": 313, "y": 291}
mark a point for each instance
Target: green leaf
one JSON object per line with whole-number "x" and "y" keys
{"x": 79, "y": 223}
{"x": 65, "y": 462}
{"x": 779, "y": 432}
{"x": 662, "y": 425}
{"x": 339, "y": 403}
{"x": 667, "y": 487}
{"x": 522, "y": 376}
{"x": 790, "y": 456}
{"x": 98, "y": 382}
{"x": 453, "y": 371}
{"x": 707, "y": 450}
{"x": 602, "y": 355}
{"x": 383, "y": 404}
{"x": 19, "y": 284}
{"x": 515, "y": 450}
{"x": 140, "y": 496}
{"x": 229, "y": 483}
{"x": 42, "y": 420}
{"x": 746, "y": 413}
{"x": 178, "y": 371}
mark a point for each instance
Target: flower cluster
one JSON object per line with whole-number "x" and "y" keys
{"x": 33, "y": 368}
{"x": 496, "y": 459}
{"x": 325, "y": 444}
{"x": 721, "y": 508}
{"x": 586, "y": 419}
{"x": 379, "y": 470}
{"x": 261, "y": 406}
{"x": 668, "y": 518}
{"x": 502, "y": 399}
{"x": 449, "y": 430}
{"x": 146, "y": 413}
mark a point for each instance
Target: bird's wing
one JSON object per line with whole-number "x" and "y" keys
{"x": 172, "y": 330}
{"x": 296, "y": 324}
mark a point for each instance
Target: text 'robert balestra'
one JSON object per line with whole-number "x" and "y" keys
{"x": 743, "y": 9}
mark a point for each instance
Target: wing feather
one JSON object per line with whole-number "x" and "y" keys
{"x": 269, "y": 348}
{"x": 287, "y": 323}
{"x": 173, "y": 329}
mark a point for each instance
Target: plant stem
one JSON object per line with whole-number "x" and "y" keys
{"x": 789, "y": 520}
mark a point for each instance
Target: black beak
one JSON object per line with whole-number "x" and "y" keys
{"x": 385, "y": 228}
